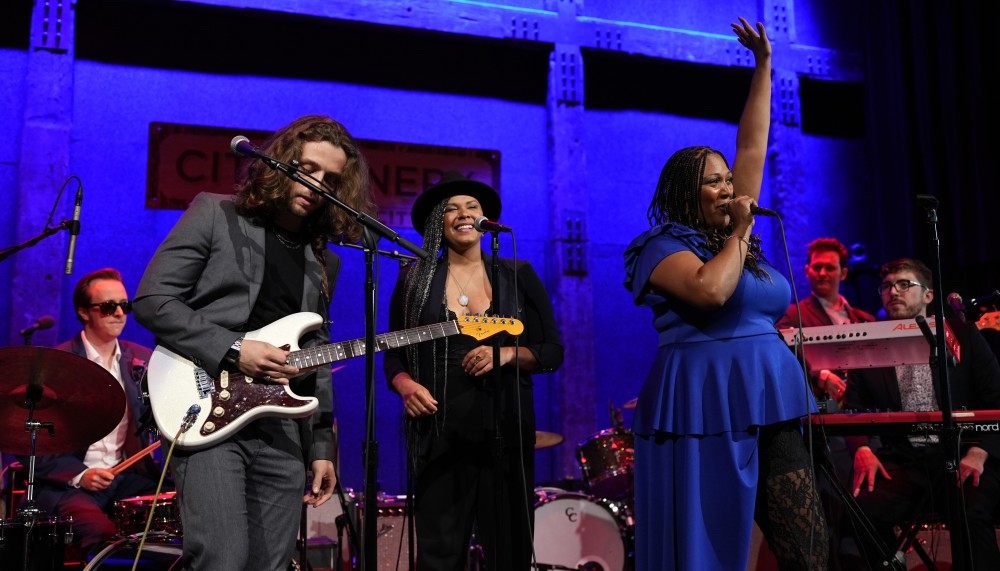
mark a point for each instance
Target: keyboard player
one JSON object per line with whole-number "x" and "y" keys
{"x": 826, "y": 271}
{"x": 893, "y": 482}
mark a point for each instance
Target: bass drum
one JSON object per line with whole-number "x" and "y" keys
{"x": 158, "y": 554}
{"x": 577, "y": 531}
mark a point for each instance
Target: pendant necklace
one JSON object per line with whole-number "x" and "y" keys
{"x": 463, "y": 299}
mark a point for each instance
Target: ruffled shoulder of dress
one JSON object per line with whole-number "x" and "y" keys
{"x": 690, "y": 237}
{"x": 668, "y": 237}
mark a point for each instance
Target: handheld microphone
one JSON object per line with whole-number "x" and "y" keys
{"x": 74, "y": 230}
{"x": 484, "y": 224}
{"x": 761, "y": 211}
{"x": 242, "y": 146}
{"x": 43, "y": 322}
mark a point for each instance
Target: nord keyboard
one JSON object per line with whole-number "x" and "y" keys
{"x": 971, "y": 422}
{"x": 865, "y": 345}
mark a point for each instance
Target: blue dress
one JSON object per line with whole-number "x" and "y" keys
{"x": 716, "y": 376}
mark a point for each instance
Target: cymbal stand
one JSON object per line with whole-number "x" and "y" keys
{"x": 29, "y": 511}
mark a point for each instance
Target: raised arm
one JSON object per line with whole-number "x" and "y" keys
{"x": 751, "y": 135}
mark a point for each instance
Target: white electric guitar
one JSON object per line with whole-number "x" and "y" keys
{"x": 180, "y": 392}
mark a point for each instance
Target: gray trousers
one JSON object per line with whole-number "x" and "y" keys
{"x": 241, "y": 500}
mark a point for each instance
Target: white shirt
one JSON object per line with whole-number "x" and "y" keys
{"x": 838, "y": 315}
{"x": 108, "y": 451}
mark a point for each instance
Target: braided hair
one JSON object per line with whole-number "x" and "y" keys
{"x": 678, "y": 199}
{"x": 417, "y": 286}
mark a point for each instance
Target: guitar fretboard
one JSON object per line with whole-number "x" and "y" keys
{"x": 316, "y": 356}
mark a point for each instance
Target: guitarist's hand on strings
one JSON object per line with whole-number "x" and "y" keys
{"x": 265, "y": 362}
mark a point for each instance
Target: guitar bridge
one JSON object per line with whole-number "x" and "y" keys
{"x": 203, "y": 382}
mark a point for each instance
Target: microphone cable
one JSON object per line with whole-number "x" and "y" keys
{"x": 810, "y": 399}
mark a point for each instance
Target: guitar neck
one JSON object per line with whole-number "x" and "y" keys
{"x": 315, "y": 356}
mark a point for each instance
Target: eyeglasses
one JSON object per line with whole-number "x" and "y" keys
{"x": 110, "y": 307}
{"x": 902, "y": 286}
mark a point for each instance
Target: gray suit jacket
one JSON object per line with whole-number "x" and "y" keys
{"x": 201, "y": 285}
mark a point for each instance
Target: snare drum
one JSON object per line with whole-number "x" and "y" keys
{"x": 573, "y": 530}
{"x": 130, "y": 515}
{"x": 47, "y": 539}
{"x": 607, "y": 460}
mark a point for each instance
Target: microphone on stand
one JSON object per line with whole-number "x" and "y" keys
{"x": 990, "y": 299}
{"x": 484, "y": 224}
{"x": 955, "y": 301}
{"x": 761, "y": 211}
{"x": 74, "y": 230}
{"x": 43, "y": 322}
{"x": 242, "y": 146}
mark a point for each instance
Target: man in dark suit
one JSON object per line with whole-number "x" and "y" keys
{"x": 80, "y": 484}
{"x": 904, "y": 475}
{"x": 232, "y": 265}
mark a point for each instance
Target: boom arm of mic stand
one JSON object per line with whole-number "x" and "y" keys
{"x": 292, "y": 172}
{"x": 11, "y": 250}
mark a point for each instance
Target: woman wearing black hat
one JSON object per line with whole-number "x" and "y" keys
{"x": 458, "y": 482}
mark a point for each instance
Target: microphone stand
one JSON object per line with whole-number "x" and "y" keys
{"x": 11, "y": 250}
{"x": 29, "y": 511}
{"x": 370, "y": 228}
{"x": 961, "y": 550}
{"x": 501, "y": 527}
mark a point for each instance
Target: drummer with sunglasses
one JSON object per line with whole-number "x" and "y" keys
{"x": 80, "y": 484}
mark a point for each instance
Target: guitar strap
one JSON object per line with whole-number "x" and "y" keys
{"x": 320, "y": 253}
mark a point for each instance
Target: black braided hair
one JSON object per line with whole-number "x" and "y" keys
{"x": 417, "y": 288}
{"x": 678, "y": 199}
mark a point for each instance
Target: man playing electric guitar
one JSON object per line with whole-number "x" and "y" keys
{"x": 234, "y": 264}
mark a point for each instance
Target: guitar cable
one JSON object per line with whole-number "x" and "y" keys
{"x": 186, "y": 423}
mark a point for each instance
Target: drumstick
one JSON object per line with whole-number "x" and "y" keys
{"x": 135, "y": 458}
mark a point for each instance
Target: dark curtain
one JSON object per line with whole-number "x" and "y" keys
{"x": 932, "y": 120}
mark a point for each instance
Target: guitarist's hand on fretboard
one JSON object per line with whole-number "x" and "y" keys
{"x": 261, "y": 360}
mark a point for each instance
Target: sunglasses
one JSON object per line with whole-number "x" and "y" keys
{"x": 110, "y": 307}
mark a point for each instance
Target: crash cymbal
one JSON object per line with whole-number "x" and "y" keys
{"x": 631, "y": 404}
{"x": 546, "y": 439}
{"x": 81, "y": 400}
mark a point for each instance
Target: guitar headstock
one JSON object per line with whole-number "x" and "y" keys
{"x": 989, "y": 320}
{"x": 482, "y": 327}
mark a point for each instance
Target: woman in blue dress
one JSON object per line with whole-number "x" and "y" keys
{"x": 718, "y": 440}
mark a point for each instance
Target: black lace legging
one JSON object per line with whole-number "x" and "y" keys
{"x": 788, "y": 511}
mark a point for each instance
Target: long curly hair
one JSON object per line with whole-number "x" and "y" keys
{"x": 678, "y": 199}
{"x": 262, "y": 192}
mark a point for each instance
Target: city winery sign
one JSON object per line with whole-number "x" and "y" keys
{"x": 187, "y": 159}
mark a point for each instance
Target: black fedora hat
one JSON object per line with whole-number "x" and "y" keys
{"x": 451, "y": 184}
